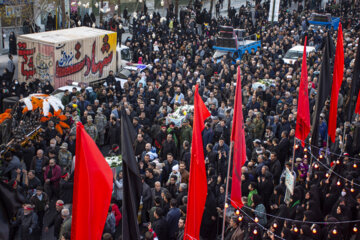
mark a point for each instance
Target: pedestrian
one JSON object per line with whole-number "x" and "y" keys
{"x": 12, "y": 44}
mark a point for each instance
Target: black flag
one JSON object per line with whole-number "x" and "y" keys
{"x": 10, "y": 201}
{"x": 131, "y": 181}
{"x": 355, "y": 85}
{"x": 323, "y": 91}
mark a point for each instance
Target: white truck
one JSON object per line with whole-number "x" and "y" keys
{"x": 80, "y": 54}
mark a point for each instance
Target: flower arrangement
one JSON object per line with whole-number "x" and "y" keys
{"x": 114, "y": 161}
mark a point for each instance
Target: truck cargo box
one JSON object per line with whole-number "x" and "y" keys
{"x": 80, "y": 54}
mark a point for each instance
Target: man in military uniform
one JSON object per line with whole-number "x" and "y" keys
{"x": 100, "y": 122}
{"x": 90, "y": 128}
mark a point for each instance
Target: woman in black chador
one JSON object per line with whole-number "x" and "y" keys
{"x": 12, "y": 43}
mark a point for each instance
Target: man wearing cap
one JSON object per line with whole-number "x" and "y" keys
{"x": 100, "y": 122}
{"x": 90, "y": 128}
{"x": 40, "y": 201}
{"x": 64, "y": 157}
{"x": 56, "y": 220}
{"x": 66, "y": 223}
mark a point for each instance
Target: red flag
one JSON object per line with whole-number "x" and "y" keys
{"x": 197, "y": 182}
{"x": 337, "y": 80}
{"x": 93, "y": 186}
{"x": 357, "y": 108}
{"x": 303, "y": 111}
{"x": 238, "y": 137}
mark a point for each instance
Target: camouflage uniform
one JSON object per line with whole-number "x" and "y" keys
{"x": 65, "y": 159}
{"x": 100, "y": 122}
{"x": 91, "y": 130}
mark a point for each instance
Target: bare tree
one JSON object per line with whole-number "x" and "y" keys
{"x": 211, "y": 8}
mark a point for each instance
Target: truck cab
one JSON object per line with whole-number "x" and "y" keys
{"x": 123, "y": 57}
{"x": 325, "y": 20}
{"x": 234, "y": 43}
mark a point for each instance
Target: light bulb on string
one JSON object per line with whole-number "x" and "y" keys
{"x": 296, "y": 229}
{"x": 314, "y": 231}
{"x": 275, "y": 225}
{"x": 321, "y": 156}
{"x": 256, "y": 220}
{"x": 355, "y": 229}
{"x": 338, "y": 162}
{"x": 240, "y": 218}
{"x": 334, "y": 231}
{"x": 255, "y": 232}
{"x": 352, "y": 190}
{"x": 316, "y": 166}
{"x": 305, "y": 156}
{"x": 354, "y": 165}
{"x": 226, "y": 205}
{"x": 237, "y": 212}
{"x": 338, "y": 183}
{"x": 305, "y": 150}
{"x": 162, "y": 3}
{"x": 327, "y": 175}
{"x": 296, "y": 146}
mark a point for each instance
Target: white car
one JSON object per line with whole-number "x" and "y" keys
{"x": 123, "y": 75}
{"x": 295, "y": 52}
{"x": 59, "y": 93}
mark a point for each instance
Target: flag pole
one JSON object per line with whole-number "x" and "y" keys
{"x": 226, "y": 190}
{"x": 293, "y": 157}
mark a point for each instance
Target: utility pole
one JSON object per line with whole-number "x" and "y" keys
{"x": 1, "y": 40}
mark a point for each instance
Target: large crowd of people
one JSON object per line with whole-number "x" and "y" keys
{"x": 325, "y": 202}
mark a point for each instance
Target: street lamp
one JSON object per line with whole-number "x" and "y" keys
{"x": 162, "y": 3}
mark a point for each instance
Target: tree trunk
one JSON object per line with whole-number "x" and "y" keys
{"x": 119, "y": 10}
{"x": 211, "y": 7}
{"x": 176, "y": 8}
{"x": 63, "y": 15}
{"x": 101, "y": 13}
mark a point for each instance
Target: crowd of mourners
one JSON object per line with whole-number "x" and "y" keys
{"x": 325, "y": 202}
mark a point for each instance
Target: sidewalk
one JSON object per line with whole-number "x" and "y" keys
{"x": 3, "y": 62}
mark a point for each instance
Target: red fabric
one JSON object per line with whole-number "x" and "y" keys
{"x": 302, "y": 129}
{"x": 93, "y": 186}
{"x": 357, "y": 108}
{"x": 197, "y": 182}
{"x": 117, "y": 213}
{"x": 238, "y": 137}
{"x": 337, "y": 80}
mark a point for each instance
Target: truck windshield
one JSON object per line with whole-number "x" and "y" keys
{"x": 219, "y": 54}
{"x": 125, "y": 54}
{"x": 293, "y": 54}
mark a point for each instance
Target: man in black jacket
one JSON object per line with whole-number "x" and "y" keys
{"x": 275, "y": 168}
{"x": 57, "y": 220}
{"x": 160, "y": 226}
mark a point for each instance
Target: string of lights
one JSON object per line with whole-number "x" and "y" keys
{"x": 300, "y": 221}
{"x": 255, "y": 220}
{"x": 332, "y": 171}
{"x": 331, "y": 153}
{"x": 314, "y": 229}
